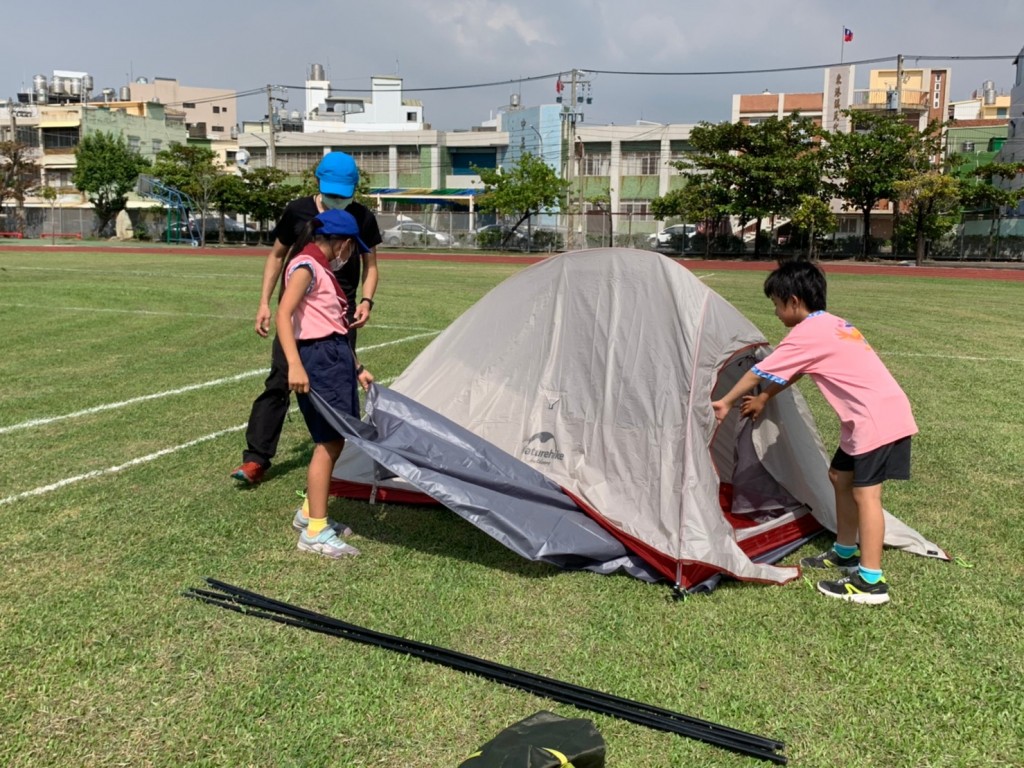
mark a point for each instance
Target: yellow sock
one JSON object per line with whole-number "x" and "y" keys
{"x": 305, "y": 507}
{"x": 316, "y": 525}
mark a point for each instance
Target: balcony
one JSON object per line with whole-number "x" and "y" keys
{"x": 891, "y": 100}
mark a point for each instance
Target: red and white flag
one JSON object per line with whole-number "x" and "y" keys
{"x": 559, "y": 86}
{"x": 847, "y": 35}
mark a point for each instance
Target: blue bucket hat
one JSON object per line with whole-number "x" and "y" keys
{"x": 338, "y": 174}
{"x": 333, "y": 223}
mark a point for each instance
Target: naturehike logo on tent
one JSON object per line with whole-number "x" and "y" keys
{"x": 536, "y": 449}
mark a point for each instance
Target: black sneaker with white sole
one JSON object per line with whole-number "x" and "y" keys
{"x": 855, "y": 590}
{"x": 832, "y": 559}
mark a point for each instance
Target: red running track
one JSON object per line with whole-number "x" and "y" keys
{"x": 1006, "y": 272}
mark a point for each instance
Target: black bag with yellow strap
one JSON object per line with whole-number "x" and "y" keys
{"x": 543, "y": 740}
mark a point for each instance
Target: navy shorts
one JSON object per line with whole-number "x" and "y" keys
{"x": 890, "y": 462}
{"x": 332, "y": 375}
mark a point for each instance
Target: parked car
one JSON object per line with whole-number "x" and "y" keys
{"x": 499, "y": 237}
{"x": 674, "y": 239}
{"x": 414, "y": 233}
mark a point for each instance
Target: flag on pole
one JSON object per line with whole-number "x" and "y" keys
{"x": 847, "y": 35}
{"x": 559, "y": 86}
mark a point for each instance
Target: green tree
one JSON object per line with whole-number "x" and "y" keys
{"x": 987, "y": 189}
{"x": 764, "y": 168}
{"x": 190, "y": 169}
{"x": 864, "y": 165}
{"x": 814, "y": 216}
{"x": 229, "y": 194}
{"x": 931, "y": 199}
{"x": 267, "y": 193}
{"x": 701, "y": 202}
{"x": 106, "y": 170}
{"x": 18, "y": 174}
{"x": 528, "y": 187}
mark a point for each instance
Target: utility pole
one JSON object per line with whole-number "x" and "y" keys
{"x": 899, "y": 84}
{"x": 271, "y": 154}
{"x": 573, "y": 154}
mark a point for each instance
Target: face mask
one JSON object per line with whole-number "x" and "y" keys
{"x": 335, "y": 202}
{"x": 339, "y": 262}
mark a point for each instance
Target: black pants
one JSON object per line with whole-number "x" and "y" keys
{"x": 266, "y": 419}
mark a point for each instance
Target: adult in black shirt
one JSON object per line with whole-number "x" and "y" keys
{"x": 338, "y": 176}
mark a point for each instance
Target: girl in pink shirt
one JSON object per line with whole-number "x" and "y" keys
{"x": 876, "y": 422}
{"x": 312, "y": 330}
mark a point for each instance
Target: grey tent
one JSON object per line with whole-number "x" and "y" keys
{"x": 590, "y": 374}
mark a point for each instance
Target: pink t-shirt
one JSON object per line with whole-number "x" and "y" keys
{"x": 321, "y": 312}
{"x": 873, "y": 411}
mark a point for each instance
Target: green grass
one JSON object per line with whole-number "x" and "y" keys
{"x": 103, "y": 663}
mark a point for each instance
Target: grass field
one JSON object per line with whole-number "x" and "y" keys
{"x": 127, "y": 379}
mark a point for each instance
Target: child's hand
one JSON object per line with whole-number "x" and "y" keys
{"x": 298, "y": 381}
{"x": 752, "y": 405}
{"x": 365, "y": 379}
{"x": 721, "y": 409}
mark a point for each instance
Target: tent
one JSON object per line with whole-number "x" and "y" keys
{"x": 567, "y": 413}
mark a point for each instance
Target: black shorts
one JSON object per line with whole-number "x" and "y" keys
{"x": 332, "y": 375}
{"x": 890, "y": 462}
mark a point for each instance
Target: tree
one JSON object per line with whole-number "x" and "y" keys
{"x": 106, "y": 170}
{"x": 701, "y": 202}
{"x": 229, "y": 194}
{"x": 986, "y": 188}
{"x": 931, "y": 199}
{"x": 528, "y": 187}
{"x": 764, "y": 168}
{"x": 190, "y": 169}
{"x": 18, "y": 174}
{"x": 813, "y": 216}
{"x": 863, "y": 166}
{"x": 267, "y": 193}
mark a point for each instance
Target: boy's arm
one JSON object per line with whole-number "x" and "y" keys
{"x": 271, "y": 273}
{"x": 370, "y": 277}
{"x": 747, "y": 382}
{"x": 752, "y": 405}
{"x": 298, "y": 380}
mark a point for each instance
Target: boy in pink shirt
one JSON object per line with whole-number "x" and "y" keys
{"x": 876, "y": 422}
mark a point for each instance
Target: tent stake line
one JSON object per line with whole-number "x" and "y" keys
{"x": 251, "y": 603}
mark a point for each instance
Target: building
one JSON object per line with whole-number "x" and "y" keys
{"x": 210, "y": 113}
{"x": 385, "y": 109}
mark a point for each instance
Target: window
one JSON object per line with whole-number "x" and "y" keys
{"x": 409, "y": 161}
{"x": 216, "y": 110}
{"x": 158, "y": 145}
{"x": 596, "y": 164}
{"x": 641, "y": 163}
{"x": 848, "y": 225}
{"x": 371, "y": 160}
{"x": 133, "y": 143}
{"x": 297, "y": 162}
{"x": 217, "y": 128}
{"x": 637, "y": 209}
{"x": 188, "y": 105}
{"x": 1002, "y": 112}
{"x": 410, "y": 117}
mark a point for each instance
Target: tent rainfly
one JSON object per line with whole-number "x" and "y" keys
{"x": 568, "y": 414}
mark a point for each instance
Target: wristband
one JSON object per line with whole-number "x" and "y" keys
{"x": 359, "y": 370}
{"x": 368, "y": 300}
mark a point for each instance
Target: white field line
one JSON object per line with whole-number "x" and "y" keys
{"x": 180, "y": 390}
{"x": 120, "y": 273}
{"x": 44, "y": 489}
{"x": 154, "y": 313}
{"x": 941, "y": 356}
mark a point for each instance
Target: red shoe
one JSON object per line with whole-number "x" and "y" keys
{"x": 250, "y": 473}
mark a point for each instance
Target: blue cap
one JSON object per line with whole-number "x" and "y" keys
{"x": 338, "y": 174}
{"x": 334, "y": 223}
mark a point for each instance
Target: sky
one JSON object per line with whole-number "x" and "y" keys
{"x": 510, "y": 48}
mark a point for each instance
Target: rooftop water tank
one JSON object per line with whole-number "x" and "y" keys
{"x": 125, "y": 93}
{"x": 317, "y": 72}
{"x": 87, "y": 83}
